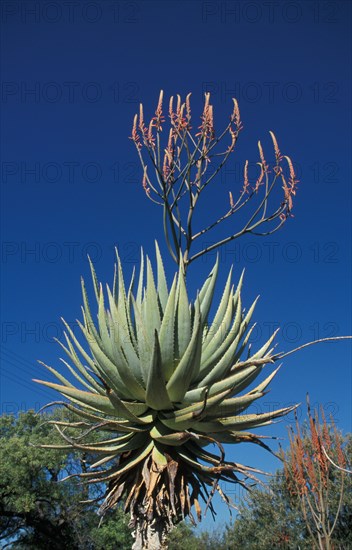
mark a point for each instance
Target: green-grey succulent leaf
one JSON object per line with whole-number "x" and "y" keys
{"x": 202, "y": 454}
{"x": 59, "y": 376}
{"x": 121, "y": 339}
{"x": 131, "y": 324}
{"x": 118, "y": 440}
{"x": 233, "y": 381}
{"x": 264, "y": 384}
{"x": 177, "y": 424}
{"x": 102, "y": 461}
{"x": 87, "y": 312}
{"x": 156, "y": 395}
{"x": 145, "y": 346}
{"x": 223, "y": 307}
{"x": 108, "y": 424}
{"x": 102, "y": 323}
{"x": 150, "y": 305}
{"x": 79, "y": 378}
{"x": 262, "y": 351}
{"x": 188, "y": 366}
{"x": 139, "y": 296}
{"x": 107, "y": 369}
{"x": 94, "y": 400}
{"x": 198, "y": 408}
{"x": 134, "y": 443}
{"x": 111, "y": 356}
{"x": 167, "y": 333}
{"x": 218, "y": 332}
{"x": 94, "y": 279}
{"x": 252, "y": 420}
{"x": 184, "y": 325}
{"x": 123, "y": 311}
{"x": 238, "y": 289}
{"x": 81, "y": 350}
{"x": 130, "y": 442}
{"x": 207, "y": 292}
{"x": 71, "y": 353}
{"x": 243, "y": 345}
{"x": 131, "y": 410}
{"x": 233, "y": 405}
{"x": 162, "y": 434}
{"x": 220, "y": 370}
{"x": 248, "y": 317}
{"x": 159, "y": 458}
{"x": 216, "y": 349}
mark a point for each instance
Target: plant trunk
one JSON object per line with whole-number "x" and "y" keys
{"x": 150, "y": 535}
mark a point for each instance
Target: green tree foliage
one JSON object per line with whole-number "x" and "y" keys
{"x": 183, "y": 537}
{"x": 36, "y": 509}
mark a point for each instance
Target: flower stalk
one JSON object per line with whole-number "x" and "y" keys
{"x": 176, "y": 174}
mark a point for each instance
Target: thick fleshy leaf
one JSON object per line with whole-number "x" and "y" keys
{"x": 198, "y": 408}
{"x": 79, "y": 378}
{"x": 98, "y": 402}
{"x": 80, "y": 348}
{"x": 264, "y": 384}
{"x": 167, "y": 333}
{"x": 84, "y": 371}
{"x": 107, "y": 369}
{"x": 183, "y": 326}
{"x": 145, "y": 346}
{"x": 230, "y": 382}
{"x": 162, "y": 434}
{"x": 121, "y": 338}
{"x": 102, "y": 322}
{"x": 220, "y": 313}
{"x": 252, "y": 420}
{"x": 150, "y": 305}
{"x": 221, "y": 368}
{"x": 156, "y": 395}
{"x": 94, "y": 279}
{"x": 233, "y": 405}
{"x": 189, "y": 363}
{"x": 123, "y": 426}
{"x": 216, "y": 349}
{"x": 134, "y": 441}
{"x": 59, "y": 376}
{"x": 219, "y": 331}
{"x": 207, "y": 292}
{"x": 262, "y": 351}
{"x": 139, "y": 296}
{"x": 87, "y": 312}
{"x": 160, "y": 459}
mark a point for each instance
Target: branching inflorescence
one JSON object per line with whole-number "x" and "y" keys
{"x": 185, "y": 166}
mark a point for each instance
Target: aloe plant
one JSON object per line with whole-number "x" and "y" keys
{"x": 161, "y": 382}
{"x": 158, "y": 377}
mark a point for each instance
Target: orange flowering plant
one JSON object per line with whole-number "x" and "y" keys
{"x": 310, "y": 474}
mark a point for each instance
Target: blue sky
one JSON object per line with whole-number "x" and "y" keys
{"x": 73, "y": 75}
